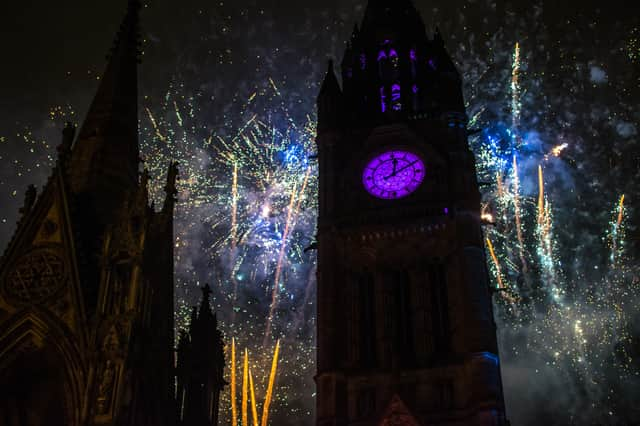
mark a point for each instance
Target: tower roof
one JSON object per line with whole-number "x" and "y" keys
{"x": 106, "y": 154}
{"x": 399, "y": 17}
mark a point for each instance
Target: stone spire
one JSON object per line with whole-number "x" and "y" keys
{"x": 200, "y": 367}
{"x": 329, "y": 100}
{"x": 105, "y": 156}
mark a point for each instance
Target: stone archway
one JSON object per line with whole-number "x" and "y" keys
{"x": 34, "y": 389}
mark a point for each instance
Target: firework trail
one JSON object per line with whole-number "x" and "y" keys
{"x": 496, "y": 263}
{"x": 276, "y": 281}
{"x": 546, "y": 243}
{"x": 617, "y": 233}
{"x": 518, "y": 219}
{"x": 516, "y": 104}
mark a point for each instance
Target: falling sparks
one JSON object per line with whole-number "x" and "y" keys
{"x": 557, "y": 150}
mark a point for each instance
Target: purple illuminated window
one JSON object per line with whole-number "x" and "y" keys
{"x": 432, "y": 64}
{"x": 393, "y": 55}
{"x": 382, "y": 55}
{"x": 395, "y": 97}
{"x": 383, "y": 100}
{"x": 414, "y": 88}
{"x": 412, "y": 56}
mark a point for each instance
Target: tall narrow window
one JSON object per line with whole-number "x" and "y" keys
{"x": 367, "y": 320}
{"x": 383, "y": 99}
{"x": 382, "y": 62}
{"x": 395, "y": 62}
{"x": 403, "y": 318}
{"x": 439, "y": 308}
{"x": 363, "y": 61}
{"x": 413, "y": 59}
{"x": 396, "y": 91}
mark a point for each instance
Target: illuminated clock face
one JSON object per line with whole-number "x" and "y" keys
{"x": 393, "y": 174}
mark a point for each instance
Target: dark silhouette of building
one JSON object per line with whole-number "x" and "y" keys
{"x": 86, "y": 283}
{"x": 405, "y": 324}
{"x": 200, "y": 367}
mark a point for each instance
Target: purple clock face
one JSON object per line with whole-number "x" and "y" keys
{"x": 393, "y": 174}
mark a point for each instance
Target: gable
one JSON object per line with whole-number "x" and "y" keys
{"x": 397, "y": 414}
{"x": 39, "y": 266}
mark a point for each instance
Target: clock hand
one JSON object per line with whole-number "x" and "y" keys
{"x": 395, "y": 172}
{"x": 406, "y": 167}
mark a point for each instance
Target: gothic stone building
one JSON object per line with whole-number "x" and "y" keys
{"x": 406, "y": 334}
{"x": 86, "y": 284}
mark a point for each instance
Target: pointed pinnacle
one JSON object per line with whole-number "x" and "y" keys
{"x": 330, "y": 83}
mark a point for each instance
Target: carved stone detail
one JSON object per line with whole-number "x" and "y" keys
{"x": 38, "y": 276}
{"x": 105, "y": 388}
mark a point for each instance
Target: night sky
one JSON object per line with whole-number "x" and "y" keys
{"x": 569, "y": 331}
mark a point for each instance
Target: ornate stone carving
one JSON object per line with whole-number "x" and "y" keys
{"x": 38, "y": 276}
{"x": 105, "y": 388}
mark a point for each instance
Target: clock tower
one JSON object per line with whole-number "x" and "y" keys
{"x": 405, "y": 325}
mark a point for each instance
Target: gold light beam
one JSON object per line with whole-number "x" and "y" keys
{"x": 272, "y": 377}
{"x": 234, "y": 411}
{"x": 254, "y": 408}
{"x": 245, "y": 374}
